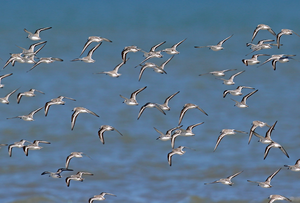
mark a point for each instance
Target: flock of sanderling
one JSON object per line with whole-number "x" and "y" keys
{"x": 29, "y": 56}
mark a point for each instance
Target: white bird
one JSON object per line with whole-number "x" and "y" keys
{"x": 218, "y": 72}
{"x": 93, "y": 39}
{"x": 217, "y": 47}
{"x": 225, "y": 132}
{"x": 236, "y": 92}
{"x": 226, "y": 181}
{"x": 30, "y": 52}
{"x": 88, "y": 58}
{"x": 282, "y": 58}
{"x": 152, "y": 53}
{"x": 243, "y": 104}
{"x": 19, "y": 144}
{"x": 284, "y": 32}
{"x": 57, "y": 173}
{"x": 167, "y": 135}
{"x": 2, "y": 77}
{"x": 72, "y": 155}
{"x": 34, "y": 146}
{"x": 5, "y": 100}
{"x": 230, "y": 80}
{"x": 114, "y": 73}
{"x": 262, "y": 27}
{"x": 149, "y": 105}
{"x": 178, "y": 150}
{"x": 128, "y": 49}
{"x": 256, "y": 124}
{"x": 100, "y": 197}
{"x": 189, "y": 130}
{"x": 36, "y": 35}
{"x": 150, "y": 65}
{"x": 104, "y": 128}
{"x": 173, "y": 49}
{"x": 165, "y": 105}
{"x": 28, "y": 117}
{"x": 132, "y": 100}
{"x": 274, "y": 198}
{"x": 295, "y": 167}
{"x": 29, "y": 93}
{"x": 56, "y": 101}
{"x": 45, "y": 60}
{"x": 267, "y": 183}
{"x": 253, "y": 60}
{"x": 77, "y": 177}
{"x": 187, "y": 107}
{"x": 77, "y": 111}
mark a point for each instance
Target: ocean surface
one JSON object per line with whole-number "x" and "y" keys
{"x": 134, "y": 166}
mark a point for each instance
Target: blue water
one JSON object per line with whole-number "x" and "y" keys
{"x": 134, "y": 166}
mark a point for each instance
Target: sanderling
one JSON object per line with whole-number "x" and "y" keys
{"x": 274, "y": 198}
{"x": 161, "y": 68}
{"x": 253, "y": 60}
{"x": 29, "y": 93}
{"x": 128, "y": 49}
{"x": 88, "y": 58}
{"x": 45, "y": 60}
{"x": 100, "y": 197}
{"x": 132, "y": 100}
{"x": 262, "y": 27}
{"x": 36, "y": 35}
{"x": 256, "y": 124}
{"x": 178, "y": 150}
{"x": 282, "y": 58}
{"x": 56, "y": 101}
{"x": 93, "y": 39}
{"x": 187, "y": 107}
{"x": 72, "y": 155}
{"x": 149, "y": 105}
{"x": 150, "y": 65}
{"x": 5, "y": 100}
{"x": 230, "y": 80}
{"x": 77, "y": 111}
{"x": 236, "y": 92}
{"x": 295, "y": 167}
{"x": 225, "y": 132}
{"x": 28, "y": 117}
{"x": 114, "y": 73}
{"x": 104, "y": 128}
{"x": 243, "y": 104}
{"x": 77, "y": 177}
{"x": 218, "y": 72}
{"x": 226, "y": 181}
{"x": 167, "y": 135}
{"x": 57, "y": 173}
{"x": 30, "y": 52}
{"x": 165, "y": 105}
{"x": 174, "y": 136}
{"x": 260, "y": 45}
{"x": 284, "y": 32}
{"x": 34, "y": 146}
{"x": 19, "y": 144}
{"x": 2, "y": 77}
{"x": 13, "y": 59}
{"x": 267, "y": 183}
{"x": 152, "y": 53}
{"x": 173, "y": 49}
{"x": 217, "y": 47}
{"x": 275, "y": 145}
{"x": 189, "y": 130}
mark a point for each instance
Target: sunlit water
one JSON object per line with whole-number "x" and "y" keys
{"x": 134, "y": 166}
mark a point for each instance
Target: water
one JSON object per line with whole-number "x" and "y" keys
{"x": 134, "y": 166}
